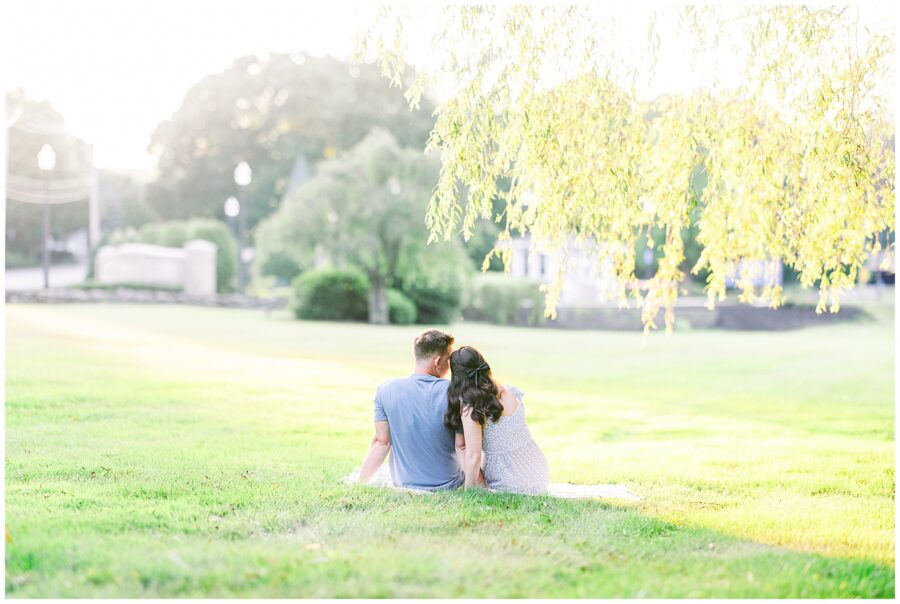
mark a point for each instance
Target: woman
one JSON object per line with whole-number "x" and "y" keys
{"x": 492, "y": 418}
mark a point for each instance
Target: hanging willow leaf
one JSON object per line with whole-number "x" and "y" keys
{"x": 798, "y": 156}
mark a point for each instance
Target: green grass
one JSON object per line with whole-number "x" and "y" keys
{"x": 178, "y": 451}
{"x": 96, "y": 285}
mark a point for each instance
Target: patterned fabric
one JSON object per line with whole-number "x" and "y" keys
{"x": 512, "y": 460}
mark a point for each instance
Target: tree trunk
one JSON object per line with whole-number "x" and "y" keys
{"x": 378, "y": 304}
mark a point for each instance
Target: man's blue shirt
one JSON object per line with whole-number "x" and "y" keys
{"x": 423, "y": 450}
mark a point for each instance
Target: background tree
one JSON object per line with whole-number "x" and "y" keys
{"x": 797, "y": 156}
{"x": 269, "y": 111}
{"x": 365, "y": 209}
{"x": 486, "y": 232}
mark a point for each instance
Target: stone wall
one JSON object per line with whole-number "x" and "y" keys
{"x": 695, "y": 316}
{"x": 191, "y": 268}
{"x": 136, "y": 296}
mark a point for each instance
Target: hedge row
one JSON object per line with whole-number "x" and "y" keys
{"x": 505, "y": 300}
{"x": 342, "y": 295}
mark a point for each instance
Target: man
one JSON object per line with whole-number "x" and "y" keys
{"x": 409, "y": 423}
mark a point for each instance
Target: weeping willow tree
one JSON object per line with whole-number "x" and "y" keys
{"x": 797, "y": 152}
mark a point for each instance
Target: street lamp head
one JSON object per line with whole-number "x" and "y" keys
{"x": 243, "y": 174}
{"x": 232, "y": 207}
{"x": 46, "y": 158}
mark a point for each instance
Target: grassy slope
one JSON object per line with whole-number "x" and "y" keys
{"x": 178, "y": 451}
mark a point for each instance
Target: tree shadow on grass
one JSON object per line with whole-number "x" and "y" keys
{"x": 335, "y": 540}
{"x": 544, "y": 546}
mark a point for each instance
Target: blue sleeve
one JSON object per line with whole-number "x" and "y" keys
{"x": 379, "y": 408}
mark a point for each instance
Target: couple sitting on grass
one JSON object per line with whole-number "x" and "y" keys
{"x": 469, "y": 431}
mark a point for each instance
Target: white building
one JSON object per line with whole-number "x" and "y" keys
{"x": 587, "y": 284}
{"x": 583, "y": 285}
{"x": 759, "y": 272}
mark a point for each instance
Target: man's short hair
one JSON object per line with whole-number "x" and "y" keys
{"x": 431, "y": 343}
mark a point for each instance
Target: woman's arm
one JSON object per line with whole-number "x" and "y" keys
{"x": 472, "y": 466}
{"x": 378, "y": 450}
{"x": 460, "y": 449}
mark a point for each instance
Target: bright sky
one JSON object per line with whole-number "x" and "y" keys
{"x": 115, "y": 69}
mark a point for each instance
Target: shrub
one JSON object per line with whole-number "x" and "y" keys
{"x": 402, "y": 310}
{"x": 436, "y": 302}
{"x": 281, "y": 266}
{"x": 439, "y": 283}
{"x": 226, "y": 249}
{"x": 21, "y": 259}
{"x": 61, "y": 257}
{"x": 331, "y": 295}
{"x": 170, "y": 234}
{"x": 500, "y": 299}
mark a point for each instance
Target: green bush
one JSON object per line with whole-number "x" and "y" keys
{"x": 226, "y": 249}
{"x": 170, "y": 234}
{"x": 402, "y": 310}
{"x": 439, "y": 283}
{"x": 21, "y": 259}
{"x": 331, "y": 295}
{"x": 437, "y": 297}
{"x": 281, "y": 266}
{"x": 500, "y": 299}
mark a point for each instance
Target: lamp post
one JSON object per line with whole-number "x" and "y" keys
{"x": 242, "y": 177}
{"x": 46, "y": 162}
{"x": 232, "y": 210}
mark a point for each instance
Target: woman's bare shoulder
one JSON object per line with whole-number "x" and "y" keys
{"x": 508, "y": 400}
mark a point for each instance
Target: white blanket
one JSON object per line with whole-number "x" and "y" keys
{"x": 563, "y": 490}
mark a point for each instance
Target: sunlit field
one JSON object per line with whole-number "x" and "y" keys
{"x": 166, "y": 451}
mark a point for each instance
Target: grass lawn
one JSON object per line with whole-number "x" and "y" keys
{"x": 179, "y": 451}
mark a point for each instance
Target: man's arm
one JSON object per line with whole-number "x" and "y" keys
{"x": 378, "y": 450}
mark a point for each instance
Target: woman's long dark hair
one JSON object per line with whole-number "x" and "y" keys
{"x": 471, "y": 387}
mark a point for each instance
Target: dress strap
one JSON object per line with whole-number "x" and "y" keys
{"x": 520, "y": 403}
{"x": 516, "y": 392}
